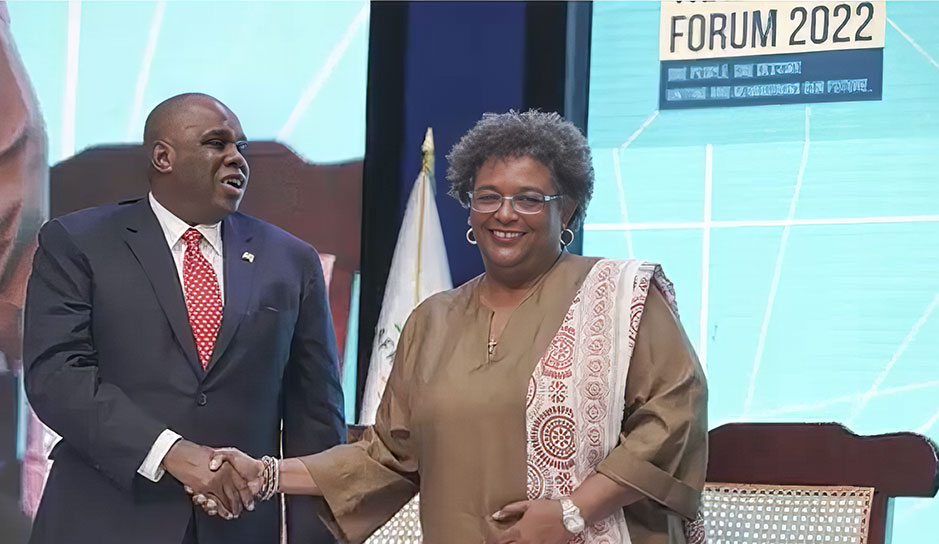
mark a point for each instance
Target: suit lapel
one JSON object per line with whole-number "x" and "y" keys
{"x": 145, "y": 238}
{"x": 237, "y": 240}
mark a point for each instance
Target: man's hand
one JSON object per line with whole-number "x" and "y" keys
{"x": 539, "y": 523}
{"x": 189, "y": 463}
{"x": 245, "y": 466}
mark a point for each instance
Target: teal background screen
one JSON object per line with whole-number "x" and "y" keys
{"x": 803, "y": 240}
{"x": 294, "y": 72}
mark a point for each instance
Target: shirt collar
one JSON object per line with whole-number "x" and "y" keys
{"x": 174, "y": 227}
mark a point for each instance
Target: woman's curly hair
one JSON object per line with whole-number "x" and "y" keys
{"x": 545, "y": 137}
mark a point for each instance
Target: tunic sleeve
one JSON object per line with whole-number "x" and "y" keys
{"x": 663, "y": 444}
{"x": 365, "y": 483}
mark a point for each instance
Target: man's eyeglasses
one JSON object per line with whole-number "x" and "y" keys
{"x": 528, "y": 202}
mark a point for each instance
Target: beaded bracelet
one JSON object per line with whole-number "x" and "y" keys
{"x": 270, "y": 477}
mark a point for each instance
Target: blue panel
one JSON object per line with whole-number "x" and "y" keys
{"x": 463, "y": 60}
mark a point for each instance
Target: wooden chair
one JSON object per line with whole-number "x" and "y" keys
{"x": 780, "y": 482}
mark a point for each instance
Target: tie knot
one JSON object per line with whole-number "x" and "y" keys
{"x": 192, "y": 236}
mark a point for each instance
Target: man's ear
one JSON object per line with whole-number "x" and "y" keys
{"x": 162, "y": 157}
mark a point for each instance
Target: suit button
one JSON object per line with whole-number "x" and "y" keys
{"x": 202, "y": 400}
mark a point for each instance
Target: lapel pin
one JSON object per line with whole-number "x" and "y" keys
{"x": 249, "y": 257}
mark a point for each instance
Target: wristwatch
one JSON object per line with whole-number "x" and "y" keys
{"x": 570, "y": 516}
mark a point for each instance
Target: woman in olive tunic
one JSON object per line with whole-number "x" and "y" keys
{"x": 553, "y": 399}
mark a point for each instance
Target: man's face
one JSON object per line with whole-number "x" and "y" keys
{"x": 209, "y": 172}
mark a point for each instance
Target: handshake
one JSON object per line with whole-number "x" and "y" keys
{"x": 222, "y": 482}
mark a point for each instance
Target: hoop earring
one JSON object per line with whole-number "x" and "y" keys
{"x": 470, "y": 237}
{"x": 567, "y": 243}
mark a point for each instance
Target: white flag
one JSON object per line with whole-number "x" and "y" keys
{"x": 419, "y": 269}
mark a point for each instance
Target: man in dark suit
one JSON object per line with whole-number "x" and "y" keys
{"x": 158, "y": 327}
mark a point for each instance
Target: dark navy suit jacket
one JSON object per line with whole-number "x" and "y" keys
{"x": 111, "y": 362}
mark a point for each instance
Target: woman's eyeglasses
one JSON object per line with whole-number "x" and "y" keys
{"x": 528, "y": 202}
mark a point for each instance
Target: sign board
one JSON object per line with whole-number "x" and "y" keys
{"x": 736, "y": 53}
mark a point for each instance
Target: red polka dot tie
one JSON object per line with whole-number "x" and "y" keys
{"x": 203, "y": 297}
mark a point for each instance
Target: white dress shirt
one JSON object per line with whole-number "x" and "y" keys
{"x": 211, "y": 248}
{"x": 211, "y": 245}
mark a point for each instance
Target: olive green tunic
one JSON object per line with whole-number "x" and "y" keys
{"x": 451, "y": 424}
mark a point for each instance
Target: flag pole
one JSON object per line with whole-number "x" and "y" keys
{"x": 427, "y": 173}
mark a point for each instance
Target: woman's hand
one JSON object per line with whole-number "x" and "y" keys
{"x": 539, "y": 523}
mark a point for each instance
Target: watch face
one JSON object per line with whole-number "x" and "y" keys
{"x": 574, "y": 525}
